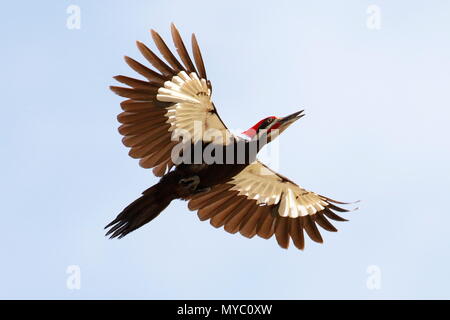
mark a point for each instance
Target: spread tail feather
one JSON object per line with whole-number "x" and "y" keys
{"x": 139, "y": 212}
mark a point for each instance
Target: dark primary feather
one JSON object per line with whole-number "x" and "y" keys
{"x": 311, "y": 229}
{"x": 232, "y": 225}
{"x": 333, "y": 216}
{"x": 296, "y": 233}
{"x": 282, "y": 231}
{"x": 198, "y": 58}
{"x": 134, "y": 83}
{"x": 181, "y": 49}
{"x": 151, "y": 75}
{"x": 323, "y": 222}
{"x": 154, "y": 60}
{"x": 166, "y": 53}
{"x": 135, "y": 94}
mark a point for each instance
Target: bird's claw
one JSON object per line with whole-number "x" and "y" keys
{"x": 190, "y": 183}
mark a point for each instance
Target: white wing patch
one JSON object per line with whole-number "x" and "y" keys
{"x": 192, "y": 109}
{"x": 265, "y": 186}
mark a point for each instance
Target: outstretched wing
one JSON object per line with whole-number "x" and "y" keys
{"x": 260, "y": 201}
{"x": 175, "y": 96}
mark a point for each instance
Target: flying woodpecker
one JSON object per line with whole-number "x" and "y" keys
{"x": 169, "y": 122}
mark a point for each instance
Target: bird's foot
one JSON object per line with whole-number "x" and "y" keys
{"x": 190, "y": 183}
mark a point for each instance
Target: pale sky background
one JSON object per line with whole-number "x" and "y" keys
{"x": 377, "y": 129}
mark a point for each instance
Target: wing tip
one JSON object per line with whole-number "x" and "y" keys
{"x": 115, "y": 89}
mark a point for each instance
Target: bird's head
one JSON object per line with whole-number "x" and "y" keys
{"x": 273, "y": 125}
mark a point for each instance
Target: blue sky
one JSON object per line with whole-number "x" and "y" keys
{"x": 376, "y": 129}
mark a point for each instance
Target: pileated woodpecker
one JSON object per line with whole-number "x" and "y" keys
{"x": 242, "y": 194}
